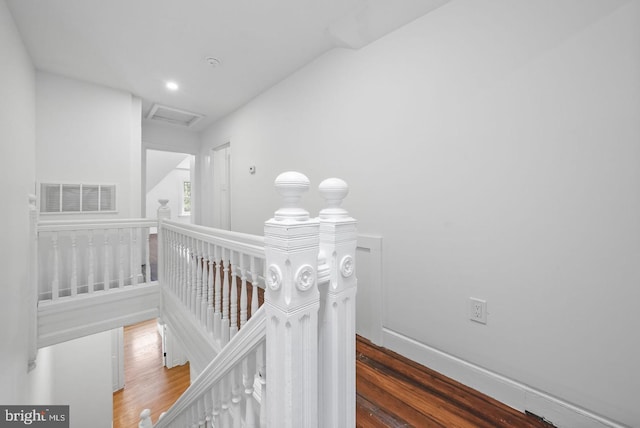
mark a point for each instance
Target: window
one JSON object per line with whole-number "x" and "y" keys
{"x": 77, "y": 198}
{"x": 186, "y": 198}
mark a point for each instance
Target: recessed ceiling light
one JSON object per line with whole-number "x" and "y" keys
{"x": 171, "y": 85}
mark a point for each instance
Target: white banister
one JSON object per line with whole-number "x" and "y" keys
{"x": 82, "y": 257}
{"x": 218, "y": 395}
{"x": 337, "y": 375}
{"x": 291, "y": 304}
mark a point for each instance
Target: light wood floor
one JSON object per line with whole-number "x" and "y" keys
{"x": 391, "y": 391}
{"x": 148, "y": 384}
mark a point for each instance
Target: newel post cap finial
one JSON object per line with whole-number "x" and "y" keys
{"x": 145, "y": 419}
{"x": 333, "y": 191}
{"x": 291, "y": 185}
{"x": 164, "y": 212}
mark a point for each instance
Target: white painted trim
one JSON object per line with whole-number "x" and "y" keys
{"x": 73, "y": 317}
{"x": 372, "y": 245}
{"x": 508, "y": 391}
{"x": 189, "y": 335}
{"x": 117, "y": 358}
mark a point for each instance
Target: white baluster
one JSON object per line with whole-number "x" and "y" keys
{"x": 217, "y": 295}
{"x": 193, "y": 257}
{"x": 248, "y": 376}
{"x": 202, "y": 414}
{"x": 233, "y": 290}
{"x": 261, "y": 366}
{"x": 225, "y": 301}
{"x": 204, "y": 262}
{"x": 172, "y": 264}
{"x": 243, "y": 292}
{"x": 133, "y": 251}
{"x": 208, "y": 408}
{"x": 74, "y": 264}
{"x": 255, "y": 303}
{"x": 107, "y": 249}
{"x": 176, "y": 264}
{"x": 121, "y": 263}
{"x": 193, "y": 415}
{"x": 198, "y": 279}
{"x": 236, "y": 397}
{"x": 147, "y": 261}
{"x": 210, "y": 278}
{"x": 92, "y": 255}
{"x": 55, "y": 283}
{"x": 225, "y": 411}
{"x": 216, "y": 408}
{"x": 184, "y": 271}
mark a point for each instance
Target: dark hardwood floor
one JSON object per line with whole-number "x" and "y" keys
{"x": 391, "y": 391}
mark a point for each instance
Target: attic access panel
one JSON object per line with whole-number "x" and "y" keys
{"x": 173, "y": 115}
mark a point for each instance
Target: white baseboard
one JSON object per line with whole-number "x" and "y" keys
{"x": 512, "y": 393}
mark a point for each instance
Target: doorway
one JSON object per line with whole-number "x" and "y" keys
{"x": 221, "y": 202}
{"x": 169, "y": 175}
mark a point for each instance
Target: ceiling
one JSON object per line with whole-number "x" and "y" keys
{"x": 139, "y": 45}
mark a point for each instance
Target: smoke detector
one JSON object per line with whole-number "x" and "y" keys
{"x": 213, "y": 61}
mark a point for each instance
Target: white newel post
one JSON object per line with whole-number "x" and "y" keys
{"x": 337, "y": 371}
{"x": 33, "y": 282}
{"x": 291, "y": 306}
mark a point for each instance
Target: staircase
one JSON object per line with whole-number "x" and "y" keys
{"x": 263, "y": 319}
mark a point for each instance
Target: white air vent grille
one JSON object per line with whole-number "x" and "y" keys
{"x": 173, "y": 115}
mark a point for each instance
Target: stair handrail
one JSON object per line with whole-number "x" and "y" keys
{"x": 239, "y": 347}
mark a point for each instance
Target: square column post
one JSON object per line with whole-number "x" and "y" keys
{"x": 291, "y": 306}
{"x": 338, "y": 236}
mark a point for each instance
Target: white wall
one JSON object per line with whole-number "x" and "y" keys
{"x": 170, "y": 138}
{"x": 87, "y": 133}
{"x": 495, "y": 147}
{"x": 17, "y": 180}
{"x": 82, "y": 378}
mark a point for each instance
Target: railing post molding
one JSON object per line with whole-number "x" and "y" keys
{"x": 164, "y": 213}
{"x": 291, "y": 307}
{"x": 338, "y": 238}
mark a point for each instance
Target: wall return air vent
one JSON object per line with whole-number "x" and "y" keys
{"x": 173, "y": 115}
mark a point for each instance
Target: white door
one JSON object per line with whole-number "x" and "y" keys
{"x": 221, "y": 209}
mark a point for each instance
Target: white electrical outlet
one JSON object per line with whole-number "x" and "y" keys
{"x": 478, "y": 310}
